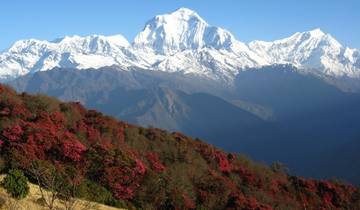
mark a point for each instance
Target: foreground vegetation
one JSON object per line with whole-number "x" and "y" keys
{"x": 35, "y": 201}
{"x": 73, "y": 152}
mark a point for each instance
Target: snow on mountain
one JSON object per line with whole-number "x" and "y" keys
{"x": 353, "y": 55}
{"x": 181, "y": 30}
{"x": 182, "y": 41}
{"x": 310, "y": 50}
{"x": 28, "y": 56}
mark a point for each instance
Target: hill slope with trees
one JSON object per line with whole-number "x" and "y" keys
{"x": 119, "y": 164}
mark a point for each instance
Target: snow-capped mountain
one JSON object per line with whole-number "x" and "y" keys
{"x": 182, "y": 41}
{"x": 28, "y": 56}
{"x": 182, "y": 30}
{"x": 314, "y": 50}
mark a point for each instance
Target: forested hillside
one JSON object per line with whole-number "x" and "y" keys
{"x": 123, "y": 165}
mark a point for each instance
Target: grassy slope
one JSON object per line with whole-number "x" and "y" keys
{"x": 31, "y": 202}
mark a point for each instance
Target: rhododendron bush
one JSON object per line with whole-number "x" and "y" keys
{"x": 147, "y": 168}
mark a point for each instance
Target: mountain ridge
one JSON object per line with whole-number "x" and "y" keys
{"x": 193, "y": 47}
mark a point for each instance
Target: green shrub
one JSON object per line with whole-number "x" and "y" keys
{"x": 16, "y": 184}
{"x": 41, "y": 103}
{"x": 92, "y": 191}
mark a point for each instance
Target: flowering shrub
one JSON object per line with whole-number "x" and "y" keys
{"x": 188, "y": 202}
{"x": 327, "y": 197}
{"x": 156, "y": 165}
{"x": 122, "y": 192}
{"x": 121, "y": 134}
{"x": 5, "y": 112}
{"x": 246, "y": 175}
{"x": 140, "y": 167}
{"x": 13, "y": 134}
{"x": 123, "y": 181}
{"x": 224, "y": 164}
{"x": 57, "y": 118}
{"x": 238, "y": 200}
{"x": 73, "y": 149}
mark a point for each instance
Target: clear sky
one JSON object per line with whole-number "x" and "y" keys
{"x": 246, "y": 19}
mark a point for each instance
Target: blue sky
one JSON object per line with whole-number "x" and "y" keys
{"x": 246, "y": 19}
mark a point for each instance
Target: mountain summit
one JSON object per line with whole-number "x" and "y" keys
{"x": 310, "y": 50}
{"x": 181, "y": 30}
{"x": 183, "y": 42}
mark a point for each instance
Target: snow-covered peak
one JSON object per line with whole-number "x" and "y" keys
{"x": 180, "y": 30}
{"x": 117, "y": 40}
{"x": 114, "y": 38}
{"x": 27, "y": 45}
{"x": 309, "y": 50}
{"x": 185, "y": 14}
{"x": 310, "y": 38}
{"x": 317, "y": 32}
{"x": 93, "y": 51}
{"x": 87, "y": 44}
{"x": 91, "y": 44}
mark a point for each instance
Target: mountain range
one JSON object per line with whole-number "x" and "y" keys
{"x": 183, "y": 42}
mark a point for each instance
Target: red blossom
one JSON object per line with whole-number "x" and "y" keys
{"x": 123, "y": 181}
{"x": 246, "y": 175}
{"x": 188, "y": 202}
{"x": 327, "y": 197}
{"x": 140, "y": 167}
{"x": 121, "y": 135}
{"x": 156, "y": 165}
{"x": 224, "y": 164}
{"x": 93, "y": 134}
{"x": 19, "y": 111}
{"x": 5, "y": 112}
{"x": 122, "y": 192}
{"x": 14, "y": 133}
{"x": 57, "y": 118}
{"x": 73, "y": 149}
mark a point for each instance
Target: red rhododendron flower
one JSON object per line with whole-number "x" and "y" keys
{"x": 14, "y": 133}
{"x": 73, "y": 149}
